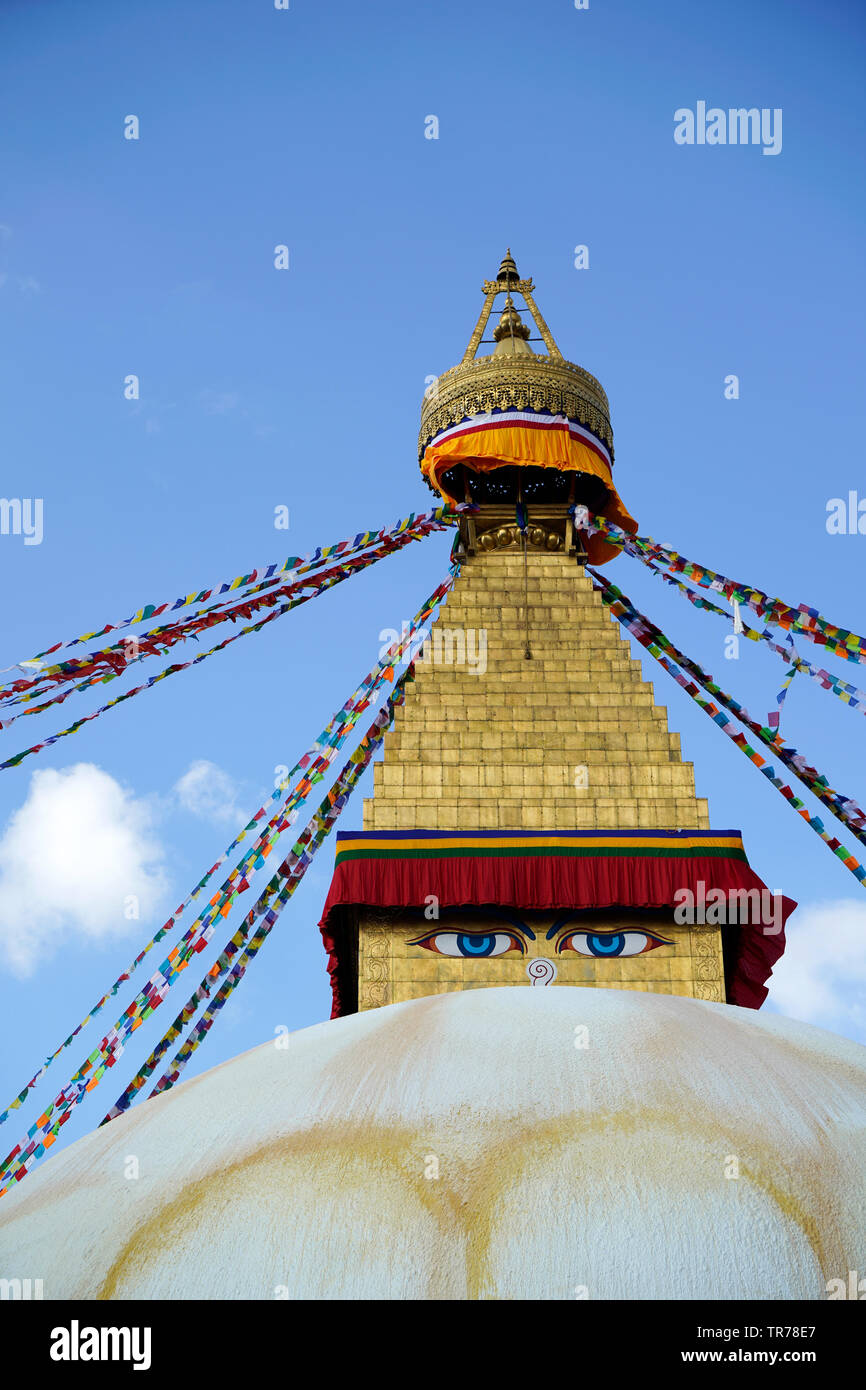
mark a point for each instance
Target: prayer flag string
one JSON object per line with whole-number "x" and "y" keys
{"x": 43, "y": 1133}
{"x": 802, "y": 619}
{"x": 315, "y": 760}
{"x": 115, "y": 659}
{"x": 297, "y": 563}
{"x": 848, "y": 694}
{"x": 775, "y": 716}
{"x": 269, "y": 906}
{"x": 336, "y": 576}
{"x": 657, "y": 645}
{"x": 844, "y": 807}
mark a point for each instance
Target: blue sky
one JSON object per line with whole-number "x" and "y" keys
{"x": 302, "y": 388}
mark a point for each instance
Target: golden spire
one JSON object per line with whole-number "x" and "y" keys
{"x": 511, "y": 334}
{"x": 507, "y": 271}
{"x": 514, "y": 376}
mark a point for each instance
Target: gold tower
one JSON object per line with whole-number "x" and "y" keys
{"x": 527, "y": 717}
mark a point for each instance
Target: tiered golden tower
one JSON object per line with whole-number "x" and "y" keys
{"x": 569, "y": 739}
{"x": 533, "y": 820}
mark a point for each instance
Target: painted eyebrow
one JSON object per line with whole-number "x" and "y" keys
{"x": 560, "y": 923}
{"x": 515, "y": 921}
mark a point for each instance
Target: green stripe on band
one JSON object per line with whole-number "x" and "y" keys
{"x": 541, "y": 852}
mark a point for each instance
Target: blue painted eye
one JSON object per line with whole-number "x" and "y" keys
{"x": 458, "y": 943}
{"x": 606, "y": 945}
{"x": 475, "y": 945}
{"x": 622, "y": 943}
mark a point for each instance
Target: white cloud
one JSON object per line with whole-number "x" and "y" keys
{"x": 28, "y": 284}
{"x": 76, "y": 859}
{"x": 822, "y": 976}
{"x": 206, "y": 790}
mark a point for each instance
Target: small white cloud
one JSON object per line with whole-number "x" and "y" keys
{"x": 218, "y": 402}
{"x": 206, "y": 790}
{"x": 5, "y": 231}
{"x": 822, "y": 976}
{"x": 78, "y": 859}
{"x": 28, "y": 284}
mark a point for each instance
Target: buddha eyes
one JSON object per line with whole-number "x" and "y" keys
{"x": 622, "y": 943}
{"x": 499, "y": 943}
{"x": 460, "y": 943}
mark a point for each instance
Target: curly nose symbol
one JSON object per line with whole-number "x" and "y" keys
{"x": 541, "y": 971}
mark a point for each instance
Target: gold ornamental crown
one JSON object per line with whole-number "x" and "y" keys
{"x": 513, "y": 376}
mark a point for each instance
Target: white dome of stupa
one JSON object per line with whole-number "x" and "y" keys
{"x": 535, "y": 1143}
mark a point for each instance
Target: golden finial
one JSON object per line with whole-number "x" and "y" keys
{"x": 508, "y": 270}
{"x": 511, "y": 334}
{"x": 514, "y": 376}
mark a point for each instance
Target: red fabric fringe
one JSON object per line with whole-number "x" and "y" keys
{"x": 558, "y": 883}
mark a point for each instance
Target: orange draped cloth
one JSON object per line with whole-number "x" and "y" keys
{"x": 499, "y": 440}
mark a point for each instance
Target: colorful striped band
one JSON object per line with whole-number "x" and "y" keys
{"x": 525, "y": 419}
{"x": 572, "y": 844}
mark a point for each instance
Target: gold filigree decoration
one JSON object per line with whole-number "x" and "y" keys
{"x": 532, "y": 383}
{"x": 708, "y": 979}
{"x": 501, "y": 537}
{"x": 376, "y": 984}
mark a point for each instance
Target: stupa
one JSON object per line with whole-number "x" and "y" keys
{"x": 533, "y": 818}
{"x": 636, "y": 1130}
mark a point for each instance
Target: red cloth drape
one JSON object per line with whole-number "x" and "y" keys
{"x": 560, "y": 883}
